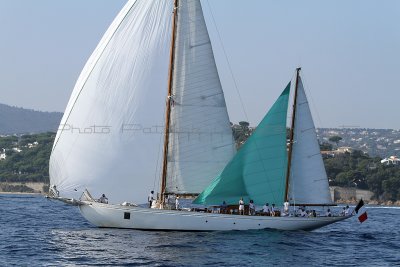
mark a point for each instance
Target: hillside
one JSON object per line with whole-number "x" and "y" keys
{"x": 25, "y": 159}
{"x": 355, "y": 169}
{"x": 375, "y": 142}
{"x": 14, "y": 120}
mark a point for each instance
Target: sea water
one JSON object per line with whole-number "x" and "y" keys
{"x": 36, "y": 231}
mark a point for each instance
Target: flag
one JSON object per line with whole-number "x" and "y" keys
{"x": 359, "y": 205}
{"x": 363, "y": 217}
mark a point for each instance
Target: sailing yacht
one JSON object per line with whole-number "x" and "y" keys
{"x": 155, "y": 66}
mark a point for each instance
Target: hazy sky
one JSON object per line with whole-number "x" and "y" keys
{"x": 349, "y": 52}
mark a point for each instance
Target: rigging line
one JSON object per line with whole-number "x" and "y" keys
{"x": 235, "y": 83}
{"x": 227, "y": 60}
{"x": 234, "y": 80}
{"x": 88, "y": 75}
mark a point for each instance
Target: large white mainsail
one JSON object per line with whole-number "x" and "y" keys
{"x": 109, "y": 138}
{"x": 200, "y": 138}
{"x": 308, "y": 183}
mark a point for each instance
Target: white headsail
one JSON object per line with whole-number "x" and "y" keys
{"x": 308, "y": 180}
{"x": 109, "y": 138}
{"x": 200, "y": 139}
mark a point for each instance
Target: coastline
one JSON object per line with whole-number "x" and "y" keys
{"x": 340, "y": 195}
{"x": 369, "y": 202}
{"x": 20, "y": 193}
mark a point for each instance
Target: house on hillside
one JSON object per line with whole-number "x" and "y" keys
{"x": 332, "y": 153}
{"x": 344, "y": 149}
{"x": 16, "y": 149}
{"x": 3, "y": 155}
{"x": 327, "y": 154}
{"x": 32, "y": 145}
{"x": 392, "y": 160}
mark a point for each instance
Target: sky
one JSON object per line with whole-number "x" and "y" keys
{"x": 349, "y": 52}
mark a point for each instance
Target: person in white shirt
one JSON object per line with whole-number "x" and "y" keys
{"x": 177, "y": 203}
{"x": 150, "y": 198}
{"x": 343, "y": 212}
{"x": 55, "y": 191}
{"x": 313, "y": 213}
{"x": 252, "y": 208}
{"x": 286, "y": 208}
{"x": 303, "y": 213}
{"x": 347, "y": 211}
{"x": 273, "y": 211}
{"x": 328, "y": 213}
{"x": 103, "y": 199}
{"x": 266, "y": 209}
{"x": 241, "y": 206}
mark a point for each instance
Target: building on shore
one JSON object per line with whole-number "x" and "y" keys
{"x": 392, "y": 160}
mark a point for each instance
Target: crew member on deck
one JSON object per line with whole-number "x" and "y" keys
{"x": 252, "y": 208}
{"x": 177, "y": 203}
{"x": 328, "y": 213}
{"x": 224, "y": 207}
{"x": 347, "y": 211}
{"x": 150, "y": 198}
{"x": 266, "y": 209}
{"x": 285, "y": 208}
{"x": 343, "y": 212}
{"x": 103, "y": 199}
{"x": 241, "y": 206}
{"x": 55, "y": 191}
{"x": 273, "y": 211}
{"x": 303, "y": 213}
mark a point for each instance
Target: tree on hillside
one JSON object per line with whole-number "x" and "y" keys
{"x": 391, "y": 187}
{"x": 241, "y": 132}
{"x": 244, "y": 124}
{"x": 325, "y": 146}
{"x": 335, "y": 139}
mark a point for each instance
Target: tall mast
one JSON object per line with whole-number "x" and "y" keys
{"x": 168, "y": 109}
{"x": 291, "y": 135}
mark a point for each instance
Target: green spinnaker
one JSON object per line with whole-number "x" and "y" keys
{"x": 258, "y": 170}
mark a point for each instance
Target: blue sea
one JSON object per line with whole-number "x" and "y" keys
{"x": 39, "y": 232}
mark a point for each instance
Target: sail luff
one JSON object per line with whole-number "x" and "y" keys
{"x": 168, "y": 103}
{"x": 291, "y": 136}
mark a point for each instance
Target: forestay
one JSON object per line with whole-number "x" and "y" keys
{"x": 109, "y": 138}
{"x": 200, "y": 138}
{"x": 258, "y": 170}
{"x": 308, "y": 183}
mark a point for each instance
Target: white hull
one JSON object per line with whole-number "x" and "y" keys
{"x": 106, "y": 215}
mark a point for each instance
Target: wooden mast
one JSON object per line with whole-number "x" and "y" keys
{"x": 169, "y": 102}
{"x": 291, "y": 136}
